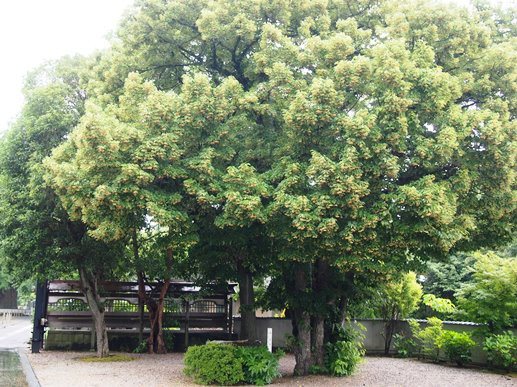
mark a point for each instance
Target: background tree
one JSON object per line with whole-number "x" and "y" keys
{"x": 397, "y": 300}
{"x": 490, "y": 297}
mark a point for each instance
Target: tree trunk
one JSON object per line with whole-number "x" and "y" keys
{"x": 89, "y": 283}
{"x": 155, "y": 342}
{"x": 159, "y": 341}
{"x": 302, "y": 349}
{"x": 141, "y": 287}
{"x": 318, "y": 339}
{"x": 320, "y": 284}
{"x": 389, "y": 329}
{"x": 247, "y": 300}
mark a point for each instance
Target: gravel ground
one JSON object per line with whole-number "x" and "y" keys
{"x": 55, "y": 369}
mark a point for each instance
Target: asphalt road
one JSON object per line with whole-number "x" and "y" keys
{"x": 16, "y": 334}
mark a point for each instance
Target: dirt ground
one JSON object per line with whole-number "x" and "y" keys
{"x": 55, "y": 369}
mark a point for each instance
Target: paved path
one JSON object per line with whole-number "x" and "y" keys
{"x": 63, "y": 369}
{"x": 16, "y": 334}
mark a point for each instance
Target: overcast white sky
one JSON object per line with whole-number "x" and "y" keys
{"x": 34, "y": 31}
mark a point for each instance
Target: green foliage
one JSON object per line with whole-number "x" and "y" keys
{"x": 502, "y": 350}
{"x": 168, "y": 338}
{"x": 343, "y": 356}
{"x": 405, "y": 346}
{"x": 440, "y": 305}
{"x": 141, "y": 347}
{"x": 491, "y": 296}
{"x": 444, "y": 278}
{"x": 429, "y": 339}
{"x": 214, "y": 364}
{"x": 259, "y": 365}
{"x": 457, "y": 346}
{"x": 396, "y": 300}
{"x": 362, "y": 136}
{"x": 226, "y": 364}
{"x": 399, "y": 298}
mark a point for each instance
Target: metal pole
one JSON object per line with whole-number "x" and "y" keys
{"x": 39, "y": 316}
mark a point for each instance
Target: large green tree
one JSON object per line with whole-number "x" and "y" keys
{"x": 353, "y": 137}
{"x": 37, "y": 237}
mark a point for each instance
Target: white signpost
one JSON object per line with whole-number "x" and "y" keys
{"x": 270, "y": 339}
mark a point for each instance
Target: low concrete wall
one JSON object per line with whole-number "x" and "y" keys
{"x": 282, "y": 327}
{"x": 374, "y": 339}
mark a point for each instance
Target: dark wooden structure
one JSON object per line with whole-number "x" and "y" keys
{"x": 186, "y": 306}
{"x": 8, "y": 299}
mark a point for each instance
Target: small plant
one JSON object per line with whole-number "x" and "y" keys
{"x": 405, "y": 346}
{"x": 458, "y": 346}
{"x": 168, "y": 339}
{"x": 502, "y": 350}
{"x": 259, "y": 365}
{"x": 430, "y": 339}
{"x": 141, "y": 347}
{"x": 344, "y": 355}
{"x": 291, "y": 342}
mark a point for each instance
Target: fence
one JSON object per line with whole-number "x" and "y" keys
{"x": 64, "y": 311}
{"x": 374, "y": 339}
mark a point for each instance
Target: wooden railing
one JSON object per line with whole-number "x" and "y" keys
{"x": 186, "y": 306}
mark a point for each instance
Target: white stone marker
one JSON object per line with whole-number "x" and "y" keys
{"x": 270, "y": 339}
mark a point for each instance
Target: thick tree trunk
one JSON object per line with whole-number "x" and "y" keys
{"x": 318, "y": 339}
{"x": 155, "y": 342}
{"x": 247, "y": 301}
{"x": 89, "y": 284}
{"x": 302, "y": 349}
{"x": 320, "y": 284}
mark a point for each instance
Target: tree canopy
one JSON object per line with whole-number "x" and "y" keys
{"x": 320, "y": 143}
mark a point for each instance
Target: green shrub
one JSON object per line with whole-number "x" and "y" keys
{"x": 141, "y": 347}
{"x": 214, "y": 364}
{"x": 344, "y": 355}
{"x": 457, "y": 346}
{"x": 226, "y": 364}
{"x": 502, "y": 350}
{"x": 259, "y": 365}
{"x": 405, "y": 346}
{"x": 429, "y": 339}
{"x": 168, "y": 339}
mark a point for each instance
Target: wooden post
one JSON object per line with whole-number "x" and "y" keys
{"x": 39, "y": 316}
{"x": 140, "y": 320}
{"x": 187, "y": 317}
{"x": 230, "y": 316}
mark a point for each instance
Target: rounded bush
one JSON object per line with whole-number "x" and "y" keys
{"x": 227, "y": 364}
{"x": 214, "y": 364}
{"x": 457, "y": 346}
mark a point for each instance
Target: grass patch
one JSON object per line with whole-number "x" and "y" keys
{"x": 107, "y": 359}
